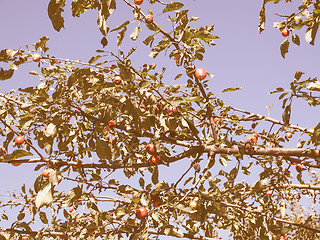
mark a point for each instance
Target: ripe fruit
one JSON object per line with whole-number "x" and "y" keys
{"x": 151, "y": 149}
{"x": 36, "y": 57}
{"x": 138, "y": 2}
{"x": 248, "y": 145}
{"x": 117, "y": 80}
{"x": 148, "y": 19}
{"x": 46, "y": 172}
{"x": 141, "y": 213}
{"x": 269, "y": 193}
{"x": 299, "y": 168}
{"x": 172, "y": 111}
{"x": 155, "y": 159}
{"x": 193, "y": 204}
{"x": 59, "y": 178}
{"x": 200, "y": 73}
{"x": 285, "y": 33}
{"x": 253, "y": 139}
{"x": 71, "y": 209}
{"x": 216, "y": 120}
{"x": 157, "y": 202}
{"x": 298, "y": 196}
{"x": 289, "y": 135}
{"x": 112, "y": 123}
{"x": 256, "y": 135}
{"x": 16, "y": 164}
{"x": 112, "y": 140}
{"x": 19, "y": 140}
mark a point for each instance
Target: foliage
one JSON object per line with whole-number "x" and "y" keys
{"x": 86, "y": 128}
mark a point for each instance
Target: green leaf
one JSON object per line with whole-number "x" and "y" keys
{"x": 94, "y": 58}
{"x": 103, "y": 149}
{"x": 15, "y": 155}
{"x": 73, "y": 195}
{"x": 231, "y": 89}
{"x": 5, "y": 74}
{"x": 296, "y": 39}
{"x": 155, "y": 175}
{"x": 55, "y": 8}
{"x": 311, "y": 32}
{"x": 284, "y": 47}
{"x": 173, "y": 6}
{"x": 43, "y": 217}
{"x": 286, "y": 115}
{"x": 123, "y": 25}
{"x": 51, "y": 130}
{"x": 120, "y": 37}
{"x": 135, "y": 34}
{"x": 44, "y": 196}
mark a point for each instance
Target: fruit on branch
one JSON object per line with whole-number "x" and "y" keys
{"x": 36, "y": 57}
{"x": 19, "y": 140}
{"x": 200, "y": 73}
{"x": 155, "y": 159}
{"x": 299, "y": 168}
{"x": 298, "y": 196}
{"x": 148, "y": 19}
{"x": 59, "y": 178}
{"x": 289, "y": 135}
{"x": 16, "y": 164}
{"x": 141, "y": 213}
{"x": 216, "y": 120}
{"x": 117, "y": 80}
{"x": 248, "y": 145}
{"x": 285, "y": 33}
{"x": 47, "y": 172}
{"x": 151, "y": 149}
{"x": 255, "y": 135}
{"x": 113, "y": 140}
{"x": 172, "y": 111}
{"x": 138, "y": 2}
{"x": 71, "y": 209}
{"x": 157, "y": 202}
{"x": 269, "y": 192}
{"x": 112, "y": 123}
{"x": 194, "y": 204}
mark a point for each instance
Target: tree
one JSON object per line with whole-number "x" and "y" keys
{"x": 87, "y": 121}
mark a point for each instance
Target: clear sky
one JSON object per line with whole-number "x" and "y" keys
{"x": 242, "y": 56}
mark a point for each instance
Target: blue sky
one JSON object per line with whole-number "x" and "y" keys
{"x": 242, "y": 56}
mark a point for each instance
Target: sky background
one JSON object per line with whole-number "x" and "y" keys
{"x": 242, "y": 56}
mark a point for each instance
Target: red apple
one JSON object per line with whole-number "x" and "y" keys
{"x": 148, "y": 19}
{"x": 269, "y": 193}
{"x": 59, "y": 178}
{"x": 16, "y": 164}
{"x": 138, "y": 2}
{"x": 141, "y": 213}
{"x": 151, "y": 149}
{"x": 19, "y": 140}
{"x": 112, "y": 123}
{"x": 200, "y": 73}
{"x": 36, "y": 57}
{"x": 299, "y": 168}
{"x": 47, "y": 172}
{"x": 216, "y": 120}
{"x": 172, "y": 111}
{"x": 255, "y": 135}
{"x": 285, "y": 33}
{"x": 193, "y": 204}
{"x": 289, "y": 134}
{"x": 155, "y": 159}
{"x": 117, "y": 80}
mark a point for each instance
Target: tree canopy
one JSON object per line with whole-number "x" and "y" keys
{"x": 99, "y": 132}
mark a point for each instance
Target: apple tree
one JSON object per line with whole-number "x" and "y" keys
{"x": 105, "y": 128}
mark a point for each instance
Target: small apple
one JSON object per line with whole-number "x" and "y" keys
{"x": 216, "y": 120}
{"x": 138, "y": 2}
{"x": 151, "y": 149}
{"x": 172, "y": 111}
{"x": 299, "y": 168}
{"x": 59, "y": 178}
{"x": 200, "y": 73}
{"x": 36, "y": 57}
{"x": 254, "y": 139}
{"x": 193, "y": 204}
{"x": 113, "y": 140}
{"x": 255, "y": 135}
{"x": 19, "y": 140}
{"x": 289, "y": 134}
{"x": 298, "y": 196}
{"x": 285, "y": 33}
{"x": 248, "y": 145}
{"x": 148, "y": 19}
{"x": 155, "y": 159}
{"x": 112, "y": 123}
{"x": 117, "y": 80}
{"x": 47, "y": 172}
{"x": 16, "y": 164}
{"x": 269, "y": 193}
{"x": 141, "y": 213}
{"x": 71, "y": 209}
{"x": 157, "y": 202}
